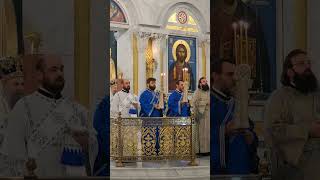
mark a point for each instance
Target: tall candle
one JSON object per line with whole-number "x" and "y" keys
{"x": 183, "y": 74}
{"x": 241, "y": 48}
{"x": 163, "y": 79}
{"x": 246, "y": 25}
{"x": 187, "y": 75}
{"x": 234, "y": 25}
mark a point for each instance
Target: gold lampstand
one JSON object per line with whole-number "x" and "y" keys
{"x": 35, "y": 39}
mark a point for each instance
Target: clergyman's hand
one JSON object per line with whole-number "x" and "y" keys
{"x": 81, "y": 137}
{"x": 184, "y": 102}
{"x": 230, "y": 127}
{"x": 249, "y": 137}
{"x": 156, "y": 106}
{"x": 136, "y": 105}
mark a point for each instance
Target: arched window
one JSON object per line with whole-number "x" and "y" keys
{"x": 182, "y": 21}
{"x": 116, "y": 14}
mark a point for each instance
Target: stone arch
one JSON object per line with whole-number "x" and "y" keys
{"x": 123, "y": 11}
{"x": 130, "y": 11}
{"x": 197, "y": 14}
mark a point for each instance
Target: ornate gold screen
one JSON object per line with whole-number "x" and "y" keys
{"x": 143, "y": 139}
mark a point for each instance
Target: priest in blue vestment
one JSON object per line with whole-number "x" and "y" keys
{"x": 233, "y": 150}
{"x": 149, "y": 101}
{"x": 176, "y": 107}
{"x": 101, "y": 125}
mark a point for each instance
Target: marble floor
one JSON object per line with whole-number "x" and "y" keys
{"x": 161, "y": 170}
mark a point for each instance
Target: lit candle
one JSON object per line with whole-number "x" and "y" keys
{"x": 234, "y": 25}
{"x": 184, "y": 74}
{"x": 246, "y": 26}
{"x": 241, "y": 49}
{"x": 187, "y": 75}
{"x": 162, "y": 79}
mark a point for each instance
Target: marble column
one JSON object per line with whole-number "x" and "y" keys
{"x": 117, "y": 36}
{"x": 203, "y": 56}
{"x": 163, "y": 66}
{"x": 199, "y": 59}
{"x": 143, "y": 38}
{"x": 207, "y": 65}
{"x": 158, "y": 56}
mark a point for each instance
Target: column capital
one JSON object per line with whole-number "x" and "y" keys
{"x": 144, "y": 35}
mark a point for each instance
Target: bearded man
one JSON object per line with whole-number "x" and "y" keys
{"x": 49, "y": 132}
{"x": 291, "y": 125}
{"x": 201, "y": 105}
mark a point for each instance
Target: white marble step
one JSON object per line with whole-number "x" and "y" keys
{"x": 188, "y": 173}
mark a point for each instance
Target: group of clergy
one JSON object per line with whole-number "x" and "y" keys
{"x": 44, "y": 133}
{"x": 292, "y": 125}
{"x": 126, "y": 104}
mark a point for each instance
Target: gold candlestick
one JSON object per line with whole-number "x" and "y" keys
{"x": 120, "y": 75}
{"x": 234, "y": 25}
{"x": 35, "y": 40}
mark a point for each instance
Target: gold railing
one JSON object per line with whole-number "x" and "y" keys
{"x": 152, "y": 139}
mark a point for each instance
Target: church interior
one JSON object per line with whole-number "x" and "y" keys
{"x": 144, "y": 40}
{"x": 140, "y": 40}
{"x": 261, "y": 34}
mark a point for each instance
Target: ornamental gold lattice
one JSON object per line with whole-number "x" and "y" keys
{"x": 136, "y": 139}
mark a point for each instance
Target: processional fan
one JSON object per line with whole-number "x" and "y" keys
{"x": 243, "y": 83}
